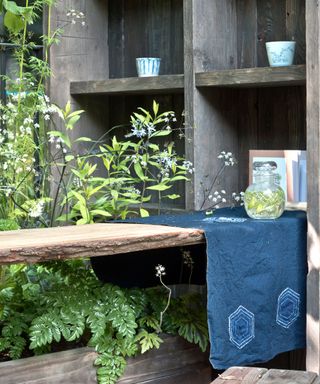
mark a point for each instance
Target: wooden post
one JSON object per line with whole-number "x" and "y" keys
{"x": 313, "y": 146}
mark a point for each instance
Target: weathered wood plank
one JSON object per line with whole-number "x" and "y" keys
{"x": 296, "y": 28}
{"x": 240, "y": 375}
{"x": 138, "y": 85}
{"x": 175, "y": 362}
{"x": 253, "y": 77}
{"x": 313, "y": 161}
{"x": 247, "y": 33}
{"x": 74, "y": 366}
{"x": 281, "y": 376}
{"x": 37, "y": 245}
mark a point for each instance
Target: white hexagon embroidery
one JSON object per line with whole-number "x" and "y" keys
{"x": 241, "y": 327}
{"x": 288, "y": 307}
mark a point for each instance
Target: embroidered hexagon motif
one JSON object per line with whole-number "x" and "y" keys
{"x": 241, "y": 327}
{"x": 288, "y": 307}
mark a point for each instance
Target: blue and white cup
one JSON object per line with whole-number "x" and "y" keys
{"x": 280, "y": 53}
{"x": 148, "y": 66}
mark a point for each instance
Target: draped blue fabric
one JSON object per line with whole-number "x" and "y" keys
{"x": 256, "y": 279}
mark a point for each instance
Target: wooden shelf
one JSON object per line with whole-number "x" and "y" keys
{"x": 129, "y": 85}
{"x": 253, "y": 77}
{"x": 38, "y": 245}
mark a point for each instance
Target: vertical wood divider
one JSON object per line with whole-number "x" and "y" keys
{"x": 313, "y": 147}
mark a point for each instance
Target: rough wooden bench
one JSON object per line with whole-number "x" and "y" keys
{"x": 247, "y": 375}
{"x": 60, "y": 243}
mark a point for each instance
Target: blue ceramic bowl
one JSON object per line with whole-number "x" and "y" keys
{"x": 148, "y": 66}
{"x": 280, "y": 53}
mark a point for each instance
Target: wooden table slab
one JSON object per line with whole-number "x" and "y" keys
{"x": 247, "y": 375}
{"x": 38, "y": 245}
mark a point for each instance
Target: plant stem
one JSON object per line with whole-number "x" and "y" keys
{"x": 212, "y": 185}
{"x": 168, "y": 301}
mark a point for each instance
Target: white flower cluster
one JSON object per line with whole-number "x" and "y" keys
{"x": 188, "y": 166}
{"x": 167, "y": 161}
{"x": 160, "y": 270}
{"x": 58, "y": 142}
{"x": 228, "y": 158}
{"x": 238, "y": 197}
{"x": 37, "y": 209}
{"x": 140, "y": 129}
{"x": 134, "y": 191}
{"x": 218, "y": 197}
{"x": 76, "y": 16}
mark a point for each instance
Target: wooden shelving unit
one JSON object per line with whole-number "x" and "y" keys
{"x": 231, "y": 99}
{"x": 253, "y": 77}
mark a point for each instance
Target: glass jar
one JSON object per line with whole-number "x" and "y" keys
{"x": 264, "y": 199}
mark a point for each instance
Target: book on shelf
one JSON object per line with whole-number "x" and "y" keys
{"x": 291, "y": 168}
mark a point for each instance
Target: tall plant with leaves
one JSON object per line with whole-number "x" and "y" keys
{"x": 25, "y": 158}
{"x": 132, "y": 170}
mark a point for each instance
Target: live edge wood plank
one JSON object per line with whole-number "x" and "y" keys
{"x": 129, "y": 85}
{"x": 38, "y": 245}
{"x": 253, "y": 77}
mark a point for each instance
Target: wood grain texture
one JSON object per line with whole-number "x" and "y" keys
{"x": 253, "y": 77}
{"x": 248, "y": 375}
{"x": 36, "y": 245}
{"x": 74, "y": 366}
{"x": 287, "y": 377}
{"x": 144, "y": 28}
{"x": 247, "y": 33}
{"x": 175, "y": 362}
{"x": 240, "y": 375}
{"x": 138, "y": 85}
{"x": 313, "y": 164}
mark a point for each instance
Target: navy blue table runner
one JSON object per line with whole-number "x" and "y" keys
{"x": 256, "y": 279}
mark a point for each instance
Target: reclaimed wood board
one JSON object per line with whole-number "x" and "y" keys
{"x": 253, "y": 77}
{"x": 249, "y": 375}
{"x": 175, "y": 362}
{"x": 38, "y": 245}
{"x": 129, "y": 85}
{"x": 73, "y": 366}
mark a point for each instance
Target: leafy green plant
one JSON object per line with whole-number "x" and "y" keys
{"x": 130, "y": 170}
{"x": 116, "y": 322}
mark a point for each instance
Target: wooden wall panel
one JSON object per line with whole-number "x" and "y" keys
{"x": 313, "y": 167}
{"x": 140, "y": 28}
{"x": 247, "y": 33}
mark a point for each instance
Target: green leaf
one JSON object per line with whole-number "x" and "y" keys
{"x": 13, "y": 22}
{"x": 85, "y": 214}
{"x": 138, "y": 170}
{"x": 144, "y": 212}
{"x": 81, "y": 199}
{"x": 100, "y": 212}
{"x": 159, "y": 187}
{"x": 155, "y": 107}
{"x": 172, "y": 197}
{"x": 69, "y": 158}
{"x": 72, "y": 121}
{"x": 83, "y": 138}
{"x": 165, "y": 132}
